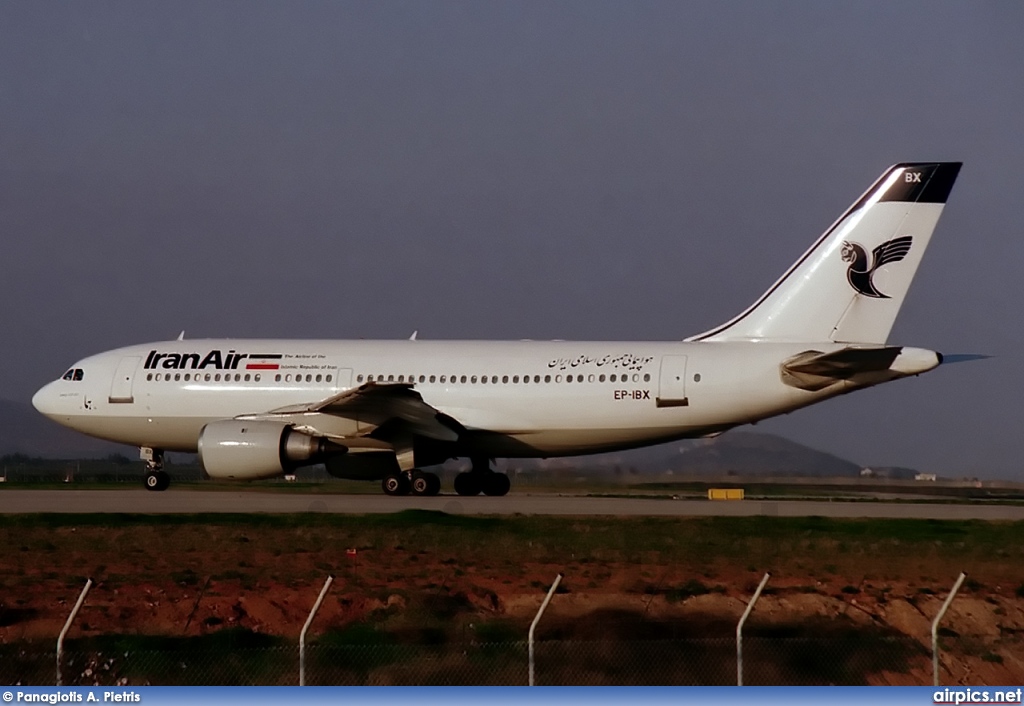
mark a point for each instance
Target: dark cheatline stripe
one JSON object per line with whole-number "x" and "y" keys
{"x": 264, "y": 356}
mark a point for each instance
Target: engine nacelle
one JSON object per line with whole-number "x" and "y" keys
{"x": 250, "y": 450}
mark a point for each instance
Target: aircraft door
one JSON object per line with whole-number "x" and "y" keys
{"x": 342, "y": 380}
{"x": 124, "y": 379}
{"x": 672, "y": 382}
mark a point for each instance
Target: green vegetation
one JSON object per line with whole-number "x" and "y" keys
{"x": 554, "y": 539}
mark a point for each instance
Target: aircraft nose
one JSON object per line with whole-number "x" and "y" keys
{"x": 44, "y": 401}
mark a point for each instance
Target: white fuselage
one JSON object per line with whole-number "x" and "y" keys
{"x": 527, "y": 398}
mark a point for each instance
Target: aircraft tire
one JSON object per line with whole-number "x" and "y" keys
{"x": 435, "y": 484}
{"x": 395, "y": 484}
{"x": 497, "y": 484}
{"x": 468, "y": 484}
{"x": 425, "y": 483}
{"x": 157, "y": 480}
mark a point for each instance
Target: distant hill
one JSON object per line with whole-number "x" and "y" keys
{"x": 739, "y": 453}
{"x": 748, "y": 453}
{"x": 23, "y": 430}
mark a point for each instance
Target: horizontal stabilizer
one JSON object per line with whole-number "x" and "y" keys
{"x": 814, "y": 370}
{"x": 845, "y": 361}
{"x": 963, "y": 358}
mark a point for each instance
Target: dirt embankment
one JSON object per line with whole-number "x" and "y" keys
{"x": 420, "y": 584}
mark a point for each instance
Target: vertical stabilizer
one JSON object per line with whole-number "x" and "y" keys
{"x": 848, "y": 288}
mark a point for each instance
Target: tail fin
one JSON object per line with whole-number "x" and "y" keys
{"x": 849, "y": 286}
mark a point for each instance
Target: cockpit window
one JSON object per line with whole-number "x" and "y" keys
{"x": 74, "y": 374}
{"x": 68, "y": 375}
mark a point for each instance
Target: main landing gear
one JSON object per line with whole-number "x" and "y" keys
{"x": 156, "y": 476}
{"x": 415, "y": 481}
{"x": 481, "y": 479}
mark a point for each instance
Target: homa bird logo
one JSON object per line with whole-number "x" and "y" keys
{"x": 860, "y": 275}
{"x": 214, "y": 359}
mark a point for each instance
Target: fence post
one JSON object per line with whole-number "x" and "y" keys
{"x": 935, "y": 627}
{"x": 60, "y": 640}
{"x": 536, "y": 619}
{"x": 302, "y": 635}
{"x": 739, "y": 629}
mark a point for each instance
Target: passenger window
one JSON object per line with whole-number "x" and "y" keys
{"x": 431, "y": 378}
{"x": 636, "y": 377}
{"x": 328, "y": 378}
{"x": 318, "y": 378}
{"x": 148, "y": 377}
{"x": 526, "y": 378}
{"x": 647, "y": 377}
{"x": 177, "y": 377}
{"x": 207, "y": 377}
{"x": 256, "y": 377}
{"x": 288, "y": 378}
{"x": 424, "y": 379}
{"x": 277, "y": 378}
{"x": 309, "y": 378}
{"x": 568, "y": 378}
{"x": 515, "y": 378}
{"x": 188, "y": 376}
{"x": 600, "y": 378}
{"x": 473, "y": 379}
{"x": 246, "y": 377}
{"x": 401, "y": 378}
{"x": 391, "y": 378}
{"x": 463, "y": 379}
{"x": 613, "y": 377}
{"x": 558, "y": 378}
{"x": 547, "y": 378}
{"x": 216, "y": 378}
{"x": 590, "y": 378}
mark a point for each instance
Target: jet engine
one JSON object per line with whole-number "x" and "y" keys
{"x": 250, "y": 450}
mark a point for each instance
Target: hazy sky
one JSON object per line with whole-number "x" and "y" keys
{"x": 578, "y": 170}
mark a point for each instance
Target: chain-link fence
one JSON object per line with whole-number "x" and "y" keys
{"x": 712, "y": 661}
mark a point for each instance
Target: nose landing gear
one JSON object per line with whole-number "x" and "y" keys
{"x": 156, "y": 477}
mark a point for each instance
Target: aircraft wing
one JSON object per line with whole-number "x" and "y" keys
{"x": 376, "y": 404}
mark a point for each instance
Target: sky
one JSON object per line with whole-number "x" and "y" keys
{"x": 504, "y": 170}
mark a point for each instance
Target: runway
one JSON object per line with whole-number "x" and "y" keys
{"x": 19, "y": 501}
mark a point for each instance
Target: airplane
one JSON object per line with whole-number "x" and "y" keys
{"x": 384, "y": 410}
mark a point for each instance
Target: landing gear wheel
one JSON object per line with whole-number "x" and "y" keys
{"x": 435, "y": 484}
{"x": 496, "y": 484}
{"x": 395, "y": 485}
{"x": 425, "y": 484}
{"x": 157, "y": 480}
{"x": 467, "y": 484}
